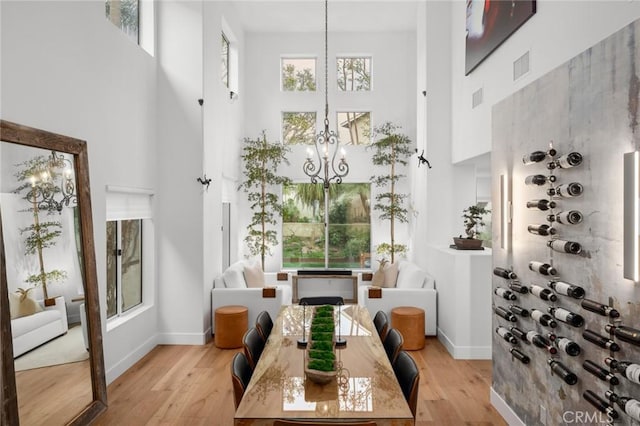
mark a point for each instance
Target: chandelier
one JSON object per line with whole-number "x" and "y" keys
{"x": 53, "y": 186}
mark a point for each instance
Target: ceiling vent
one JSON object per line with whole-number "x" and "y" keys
{"x": 521, "y": 66}
{"x": 476, "y": 98}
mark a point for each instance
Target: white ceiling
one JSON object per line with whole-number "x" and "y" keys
{"x": 344, "y": 15}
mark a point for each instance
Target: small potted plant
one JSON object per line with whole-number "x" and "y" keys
{"x": 472, "y": 219}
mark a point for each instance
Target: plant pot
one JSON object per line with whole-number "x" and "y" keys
{"x": 467, "y": 243}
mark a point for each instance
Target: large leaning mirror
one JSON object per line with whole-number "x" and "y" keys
{"x": 52, "y": 362}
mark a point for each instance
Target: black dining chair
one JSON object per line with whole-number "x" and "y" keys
{"x": 240, "y": 376}
{"x": 253, "y": 346}
{"x": 321, "y": 300}
{"x": 264, "y": 324}
{"x": 381, "y": 322}
{"x": 408, "y": 376}
{"x": 392, "y": 344}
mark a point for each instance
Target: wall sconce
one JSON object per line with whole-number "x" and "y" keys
{"x": 505, "y": 212}
{"x": 631, "y": 215}
{"x": 233, "y": 96}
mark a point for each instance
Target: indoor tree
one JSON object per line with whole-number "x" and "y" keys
{"x": 392, "y": 149}
{"x": 261, "y": 160}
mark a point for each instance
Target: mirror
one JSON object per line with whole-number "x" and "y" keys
{"x": 48, "y": 282}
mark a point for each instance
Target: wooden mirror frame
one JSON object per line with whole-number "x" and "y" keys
{"x": 28, "y": 136}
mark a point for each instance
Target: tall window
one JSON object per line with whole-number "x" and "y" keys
{"x": 298, "y": 74}
{"x": 224, "y": 58}
{"x": 298, "y": 128}
{"x": 354, "y": 128}
{"x": 124, "y": 266}
{"x": 303, "y": 236}
{"x": 124, "y": 14}
{"x": 354, "y": 74}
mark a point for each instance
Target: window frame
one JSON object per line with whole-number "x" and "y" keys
{"x": 354, "y": 56}
{"x": 303, "y": 57}
{"x": 138, "y": 29}
{"x": 354, "y": 111}
{"x": 120, "y": 311}
{"x": 225, "y": 78}
{"x": 314, "y": 131}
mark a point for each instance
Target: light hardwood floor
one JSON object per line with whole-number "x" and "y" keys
{"x": 191, "y": 385}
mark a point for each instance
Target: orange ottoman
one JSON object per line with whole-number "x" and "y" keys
{"x": 409, "y": 321}
{"x": 231, "y": 323}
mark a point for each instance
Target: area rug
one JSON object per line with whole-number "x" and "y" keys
{"x": 61, "y": 350}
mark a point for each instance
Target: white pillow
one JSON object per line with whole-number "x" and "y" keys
{"x": 253, "y": 275}
{"x": 410, "y": 276}
{"x": 234, "y": 277}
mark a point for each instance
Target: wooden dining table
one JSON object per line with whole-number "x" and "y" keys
{"x": 365, "y": 387}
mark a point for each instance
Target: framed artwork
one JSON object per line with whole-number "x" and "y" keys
{"x": 490, "y": 23}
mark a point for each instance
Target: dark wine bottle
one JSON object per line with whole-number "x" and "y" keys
{"x": 537, "y": 156}
{"x": 506, "y": 335}
{"x": 600, "y": 372}
{"x": 540, "y": 341}
{"x": 569, "y": 346}
{"x": 541, "y": 204}
{"x": 563, "y": 372}
{"x": 543, "y": 318}
{"x": 517, "y": 287}
{"x": 599, "y": 308}
{"x": 504, "y": 293}
{"x": 629, "y": 405}
{"x": 543, "y": 293}
{"x": 628, "y": 369}
{"x": 509, "y": 316}
{"x": 504, "y": 273}
{"x": 519, "y": 310}
{"x": 563, "y": 246}
{"x": 624, "y": 333}
{"x": 543, "y": 230}
{"x": 566, "y": 316}
{"x": 571, "y": 217}
{"x": 542, "y": 268}
{"x": 600, "y": 340}
{"x": 569, "y": 160}
{"x": 566, "y": 289}
{"x": 552, "y": 337}
{"x": 538, "y": 180}
{"x": 518, "y": 333}
{"x": 566, "y": 190}
{"x": 600, "y": 404}
{"x": 519, "y": 355}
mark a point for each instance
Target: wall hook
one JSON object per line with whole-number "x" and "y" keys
{"x": 422, "y": 159}
{"x": 204, "y": 181}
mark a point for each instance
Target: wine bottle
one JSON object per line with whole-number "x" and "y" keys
{"x": 600, "y": 372}
{"x": 600, "y": 404}
{"x": 569, "y": 346}
{"x": 571, "y": 217}
{"x": 566, "y": 289}
{"x": 504, "y": 293}
{"x": 629, "y": 405}
{"x": 537, "y": 156}
{"x": 504, "y": 273}
{"x": 543, "y": 318}
{"x": 569, "y": 160}
{"x": 628, "y": 369}
{"x": 519, "y": 355}
{"x": 566, "y": 190}
{"x": 552, "y": 337}
{"x": 538, "y": 180}
{"x": 506, "y": 335}
{"x": 542, "y": 268}
{"x": 599, "y": 308}
{"x": 518, "y": 288}
{"x": 518, "y": 333}
{"x": 541, "y": 204}
{"x": 539, "y": 341}
{"x": 624, "y": 333}
{"x": 519, "y": 310}
{"x": 563, "y": 246}
{"x": 600, "y": 340}
{"x": 543, "y": 293}
{"x": 566, "y": 316}
{"x": 509, "y": 316}
{"x": 562, "y": 371}
{"x": 543, "y": 230}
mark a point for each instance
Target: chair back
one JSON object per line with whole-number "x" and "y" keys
{"x": 381, "y": 322}
{"x": 264, "y": 324}
{"x": 240, "y": 376}
{"x": 321, "y": 300}
{"x": 392, "y": 344}
{"x": 253, "y": 346}
{"x": 311, "y": 422}
{"x": 408, "y": 376}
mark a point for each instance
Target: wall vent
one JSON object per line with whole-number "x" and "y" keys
{"x": 521, "y": 66}
{"x": 476, "y": 98}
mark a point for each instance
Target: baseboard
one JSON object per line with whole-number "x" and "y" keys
{"x": 464, "y": 352}
{"x": 128, "y": 361}
{"x": 503, "y": 408}
{"x": 184, "y": 338}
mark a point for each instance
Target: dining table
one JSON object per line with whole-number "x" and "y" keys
{"x": 364, "y": 388}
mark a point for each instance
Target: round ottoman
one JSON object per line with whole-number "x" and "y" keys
{"x": 409, "y": 321}
{"x": 231, "y": 323}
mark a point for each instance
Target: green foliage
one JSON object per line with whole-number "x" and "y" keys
{"x": 298, "y": 128}
{"x": 322, "y": 345}
{"x": 322, "y": 327}
{"x": 55, "y": 276}
{"x": 321, "y": 364}
{"x": 299, "y": 81}
{"x": 353, "y": 74}
{"x": 385, "y": 248}
{"x": 473, "y": 218}
{"x": 320, "y": 354}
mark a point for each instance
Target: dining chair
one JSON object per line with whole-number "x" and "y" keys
{"x": 264, "y": 324}
{"x": 381, "y": 322}
{"x": 253, "y": 346}
{"x": 392, "y": 344}
{"x": 321, "y": 300}
{"x": 408, "y": 376}
{"x": 311, "y": 422}
{"x": 240, "y": 376}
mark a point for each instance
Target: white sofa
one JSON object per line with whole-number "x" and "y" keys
{"x": 414, "y": 287}
{"x": 229, "y": 288}
{"x": 33, "y": 330}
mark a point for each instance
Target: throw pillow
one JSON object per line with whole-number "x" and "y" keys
{"x": 411, "y": 276}
{"x": 21, "y": 305}
{"x": 390, "y": 275}
{"x": 253, "y": 275}
{"x": 378, "y": 276}
{"x": 234, "y": 277}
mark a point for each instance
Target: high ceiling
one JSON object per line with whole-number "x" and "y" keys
{"x": 344, "y": 15}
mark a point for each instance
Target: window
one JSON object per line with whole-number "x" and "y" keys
{"x": 354, "y": 74}
{"x": 224, "y": 57}
{"x": 124, "y": 14}
{"x": 349, "y": 227}
{"x": 124, "y": 266}
{"x": 298, "y": 128}
{"x": 354, "y": 128}
{"x": 298, "y": 74}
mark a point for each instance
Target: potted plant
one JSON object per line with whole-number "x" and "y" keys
{"x": 472, "y": 219}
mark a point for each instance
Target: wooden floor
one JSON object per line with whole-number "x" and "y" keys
{"x": 191, "y": 385}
